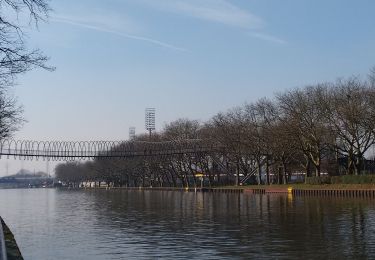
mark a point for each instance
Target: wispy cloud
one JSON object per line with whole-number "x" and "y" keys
{"x": 106, "y": 27}
{"x": 266, "y": 37}
{"x": 220, "y": 11}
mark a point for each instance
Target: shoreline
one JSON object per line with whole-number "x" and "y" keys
{"x": 344, "y": 190}
{"x": 11, "y": 248}
{"x": 325, "y": 190}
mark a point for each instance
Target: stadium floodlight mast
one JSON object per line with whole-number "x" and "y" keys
{"x": 131, "y": 133}
{"x": 150, "y": 119}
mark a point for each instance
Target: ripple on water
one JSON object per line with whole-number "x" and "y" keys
{"x": 59, "y": 224}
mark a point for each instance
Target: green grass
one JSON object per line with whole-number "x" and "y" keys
{"x": 306, "y": 186}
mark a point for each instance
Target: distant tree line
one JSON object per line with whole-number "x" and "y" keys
{"x": 326, "y": 128}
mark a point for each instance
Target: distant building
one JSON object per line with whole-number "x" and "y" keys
{"x": 26, "y": 179}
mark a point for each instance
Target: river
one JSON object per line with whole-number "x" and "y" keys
{"x": 121, "y": 224}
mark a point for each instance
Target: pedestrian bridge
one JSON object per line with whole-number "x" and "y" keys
{"x": 85, "y": 150}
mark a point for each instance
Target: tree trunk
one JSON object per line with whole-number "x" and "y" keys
{"x": 358, "y": 165}
{"x": 307, "y": 169}
{"x": 173, "y": 180}
{"x": 238, "y": 173}
{"x": 186, "y": 180}
{"x": 285, "y": 180}
{"x": 259, "y": 172}
{"x": 350, "y": 162}
{"x": 267, "y": 171}
{"x": 217, "y": 172}
{"x": 317, "y": 170}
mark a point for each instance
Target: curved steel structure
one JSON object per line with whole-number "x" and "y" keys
{"x": 83, "y": 150}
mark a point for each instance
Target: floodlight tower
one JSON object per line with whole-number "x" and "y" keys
{"x": 150, "y": 120}
{"x": 131, "y": 133}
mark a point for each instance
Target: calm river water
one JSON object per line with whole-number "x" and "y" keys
{"x": 120, "y": 224}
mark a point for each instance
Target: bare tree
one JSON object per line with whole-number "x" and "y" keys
{"x": 181, "y": 129}
{"x": 372, "y": 77}
{"x": 351, "y": 115}
{"x": 15, "y": 57}
{"x": 314, "y": 127}
{"x": 304, "y": 115}
{"x": 276, "y": 147}
{"x": 231, "y": 130}
{"x": 10, "y": 115}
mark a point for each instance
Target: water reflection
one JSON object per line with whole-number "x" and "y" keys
{"x": 118, "y": 224}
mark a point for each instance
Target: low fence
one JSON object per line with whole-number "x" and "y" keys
{"x": 335, "y": 193}
{"x": 349, "y": 193}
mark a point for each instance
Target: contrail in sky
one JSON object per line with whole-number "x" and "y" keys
{"x": 125, "y": 35}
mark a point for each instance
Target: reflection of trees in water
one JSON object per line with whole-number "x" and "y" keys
{"x": 239, "y": 225}
{"x": 329, "y": 227}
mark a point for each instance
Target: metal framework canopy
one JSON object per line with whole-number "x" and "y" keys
{"x": 83, "y": 150}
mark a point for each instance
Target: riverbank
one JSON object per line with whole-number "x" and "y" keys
{"x": 302, "y": 186}
{"x": 273, "y": 186}
{"x": 325, "y": 190}
{"x": 11, "y": 247}
{"x": 336, "y": 190}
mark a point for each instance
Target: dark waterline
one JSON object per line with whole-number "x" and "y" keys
{"x": 99, "y": 224}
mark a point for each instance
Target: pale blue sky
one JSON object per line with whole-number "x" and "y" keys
{"x": 186, "y": 58}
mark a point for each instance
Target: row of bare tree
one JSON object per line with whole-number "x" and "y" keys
{"x": 325, "y": 128}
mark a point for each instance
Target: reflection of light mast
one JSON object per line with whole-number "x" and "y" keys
{"x": 47, "y": 168}
{"x": 7, "y": 168}
{"x": 150, "y": 120}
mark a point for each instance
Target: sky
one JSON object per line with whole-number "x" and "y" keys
{"x": 186, "y": 58}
